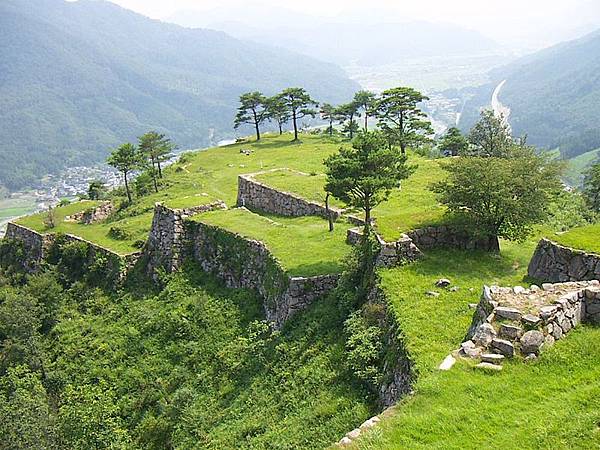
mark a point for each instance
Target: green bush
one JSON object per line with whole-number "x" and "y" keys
{"x": 119, "y": 233}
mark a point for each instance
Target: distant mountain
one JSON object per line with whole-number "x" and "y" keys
{"x": 553, "y": 95}
{"x": 79, "y": 77}
{"x": 344, "y": 39}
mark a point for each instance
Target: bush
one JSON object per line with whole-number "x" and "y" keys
{"x": 119, "y": 233}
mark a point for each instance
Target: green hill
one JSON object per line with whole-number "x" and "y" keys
{"x": 79, "y": 77}
{"x": 194, "y": 365}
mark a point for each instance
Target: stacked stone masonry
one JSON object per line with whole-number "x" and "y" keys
{"x": 554, "y": 263}
{"x": 258, "y": 196}
{"x": 238, "y": 261}
{"x": 509, "y": 321}
{"x": 36, "y": 246}
{"x": 93, "y": 215}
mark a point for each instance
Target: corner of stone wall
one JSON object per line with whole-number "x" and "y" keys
{"x": 555, "y": 263}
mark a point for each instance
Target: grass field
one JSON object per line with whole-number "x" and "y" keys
{"x": 578, "y": 165}
{"x": 552, "y": 403}
{"x": 303, "y": 245}
{"x": 584, "y": 238}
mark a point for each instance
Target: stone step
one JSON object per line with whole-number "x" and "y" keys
{"x": 492, "y": 358}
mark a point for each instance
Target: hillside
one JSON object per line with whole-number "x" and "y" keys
{"x": 185, "y": 362}
{"x": 553, "y": 96}
{"x": 79, "y": 77}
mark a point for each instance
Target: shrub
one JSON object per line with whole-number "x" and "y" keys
{"x": 119, "y": 233}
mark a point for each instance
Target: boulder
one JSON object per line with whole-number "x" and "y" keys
{"x": 530, "y": 320}
{"x": 504, "y": 312}
{"x": 484, "y": 335}
{"x": 432, "y": 294}
{"x": 505, "y": 347}
{"x": 447, "y": 363}
{"x": 492, "y": 358}
{"x": 532, "y": 342}
{"x": 443, "y": 282}
{"x": 489, "y": 367}
{"x": 510, "y": 331}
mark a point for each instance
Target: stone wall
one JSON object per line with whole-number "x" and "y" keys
{"x": 509, "y": 321}
{"x": 237, "y": 261}
{"x": 35, "y": 245}
{"x": 93, "y": 215}
{"x": 166, "y": 243}
{"x": 391, "y": 254}
{"x": 554, "y": 263}
{"x": 255, "y": 195}
{"x": 445, "y": 236}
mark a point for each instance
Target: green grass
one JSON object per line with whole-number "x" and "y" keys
{"x": 98, "y": 233}
{"x": 553, "y": 403}
{"x": 14, "y": 207}
{"x": 584, "y": 238}
{"x": 303, "y": 245}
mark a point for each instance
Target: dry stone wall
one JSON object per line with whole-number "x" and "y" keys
{"x": 255, "y": 195}
{"x": 93, "y": 215}
{"x": 555, "y": 263}
{"x": 509, "y": 321}
{"x": 390, "y": 254}
{"x": 445, "y": 236}
{"x": 238, "y": 261}
{"x": 36, "y": 248}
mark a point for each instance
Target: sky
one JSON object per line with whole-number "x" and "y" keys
{"x": 535, "y": 21}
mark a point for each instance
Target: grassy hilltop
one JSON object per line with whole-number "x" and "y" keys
{"x": 193, "y": 366}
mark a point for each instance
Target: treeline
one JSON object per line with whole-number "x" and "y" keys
{"x": 397, "y": 112}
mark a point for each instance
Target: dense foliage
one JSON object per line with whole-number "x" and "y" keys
{"x": 194, "y": 365}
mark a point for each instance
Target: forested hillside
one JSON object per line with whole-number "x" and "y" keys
{"x": 554, "y": 96}
{"x": 79, "y": 77}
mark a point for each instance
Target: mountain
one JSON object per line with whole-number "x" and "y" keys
{"x": 77, "y": 78}
{"x": 553, "y": 95}
{"x": 373, "y": 38}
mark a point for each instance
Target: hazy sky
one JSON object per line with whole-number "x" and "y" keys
{"x": 507, "y": 20}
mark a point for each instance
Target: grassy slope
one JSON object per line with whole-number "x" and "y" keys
{"x": 203, "y": 177}
{"x": 577, "y": 165}
{"x": 584, "y": 238}
{"x": 302, "y": 244}
{"x": 554, "y": 402}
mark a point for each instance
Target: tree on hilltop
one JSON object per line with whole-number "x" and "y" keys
{"x": 398, "y": 112}
{"x": 252, "y": 110}
{"x": 364, "y": 174}
{"x": 278, "y": 112}
{"x": 346, "y": 114}
{"x": 155, "y": 148}
{"x": 299, "y": 104}
{"x": 329, "y": 113}
{"x": 453, "y": 142}
{"x": 490, "y": 136}
{"x": 126, "y": 159}
{"x": 366, "y": 101}
{"x": 499, "y": 197}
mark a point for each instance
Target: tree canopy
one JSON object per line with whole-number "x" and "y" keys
{"x": 453, "y": 143}
{"x": 490, "y": 136}
{"x": 252, "y": 110}
{"x": 299, "y": 104}
{"x": 126, "y": 158}
{"x": 366, "y": 101}
{"x": 364, "y": 174}
{"x": 399, "y": 115}
{"x": 498, "y": 196}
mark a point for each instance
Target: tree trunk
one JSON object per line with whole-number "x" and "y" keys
{"x": 402, "y": 147}
{"x": 295, "y": 125}
{"x": 350, "y": 126}
{"x": 256, "y": 124}
{"x": 330, "y": 127}
{"x": 367, "y": 228}
{"x": 329, "y": 218}
{"x": 280, "y": 129}
{"x": 154, "y": 173}
{"x": 366, "y": 120}
{"x": 127, "y": 187}
{"x": 159, "y": 169}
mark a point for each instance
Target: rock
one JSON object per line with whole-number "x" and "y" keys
{"x": 472, "y": 305}
{"x": 354, "y": 433}
{"x": 454, "y": 289}
{"x": 432, "y": 294}
{"x": 510, "y": 331}
{"x": 467, "y": 345}
{"x": 557, "y": 332}
{"x": 530, "y": 357}
{"x": 504, "y": 312}
{"x": 492, "y": 358}
{"x": 519, "y": 290}
{"x": 547, "y": 312}
{"x": 534, "y": 288}
{"x": 447, "y": 363}
{"x": 532, "y": 342}
{"x": 504, "y": 347}
{"x": 547, "y": 287}
{"x": 549, "y": 340}
{"x": 368, "y": 424}
{"x": 443, "y": 282}
{"x": 484, "y": 335}
{"x": 345, "y": 441}
{"x": 489, "y": 367}
{"x": 530, "y": 320}
{"x": 473, "y": 353}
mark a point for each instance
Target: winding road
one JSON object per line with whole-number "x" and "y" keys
{"x": 499, "y": 109}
